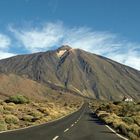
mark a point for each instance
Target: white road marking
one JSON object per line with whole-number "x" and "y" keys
{"x": 72, "y": 125}
{"x": 121, "y": 136}
{"x": 116, "y": 133}
{"x": 66, "y": 130}
{"x": 79, "y": 118}
{"x": 56, "y": 137}
{"x": 110, "y": 128}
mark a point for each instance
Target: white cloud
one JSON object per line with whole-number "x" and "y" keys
{"x": 39, "y": 39}
{"x": 4, "y": 41}
{"x": 102, "y": 43}
{"x": 4, "y": 54}
{"x": 131, "y": 59}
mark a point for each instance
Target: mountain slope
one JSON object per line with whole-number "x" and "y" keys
{"x": 13, "y": 84}
{"x": 86, "y": 73}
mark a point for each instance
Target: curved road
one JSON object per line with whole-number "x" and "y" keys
{"x": 81, "y": 125}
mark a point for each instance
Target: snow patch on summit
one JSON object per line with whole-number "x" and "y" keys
{"x": 60, "y": 53}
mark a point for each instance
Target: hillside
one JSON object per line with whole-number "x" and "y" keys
{"x": 83, "y": 72}
{"x": 13, "y": 84}
{"x": 24, "y": 102}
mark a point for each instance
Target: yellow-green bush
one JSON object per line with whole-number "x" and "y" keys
{"x": 1, "y": 109}
{"x": 9, "y": 107}
{"x": 128, "y": 120}
{"x": 123, "y": 128}
{"x": 3, "y": 125}
{"x": 44, "y": 110}
{"x": 12, "y": 126}
{"x": 137, "y": 120}
{"x": 27, "y": 118}
{"x": 36, "y": 114}
{"x": 6, "y": 112}
{"x": 11, "y": 119}
{"x": 132, "y": 136}
{"x": 135, "y": 129}
{"x": 18, "y": 99}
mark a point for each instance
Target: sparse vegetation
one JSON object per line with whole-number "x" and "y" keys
{"x": 27, "y": 118}
{"x": 124, "y": 117}
{"x": 11, "y": 119}
{"x": 17, "y": 112}
{"x": 18, "y": 99}
{"x": 3, "y": 125}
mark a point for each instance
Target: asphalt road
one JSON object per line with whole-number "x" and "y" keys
{"x": 81, "y": 125}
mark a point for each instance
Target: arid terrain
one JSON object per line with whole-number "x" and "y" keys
{"x": 124, "y": 117}
{"x": 18, "y": 111}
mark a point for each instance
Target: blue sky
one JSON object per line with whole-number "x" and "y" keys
{"x": 106, "y": 27}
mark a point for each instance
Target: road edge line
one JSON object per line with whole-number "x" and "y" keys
{"x": 56, "y": 137}
{"x": 119, "y": 135}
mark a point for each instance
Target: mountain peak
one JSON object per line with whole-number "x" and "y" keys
{"x": 64, "y": 47}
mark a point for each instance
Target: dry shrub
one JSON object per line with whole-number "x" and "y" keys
{"x": 44, "y": 110}
{"x": 128, "y": 120}
{"x": 36, "y": 114}
{"x": 3, "y": 125}
{"x": 12, "y": 126}
{"x": 9, "y": 107}
{"x": 6, "y": 112}
{"x": 11, "y": 119}
{"x": 1, "y": 109}
{"x": 132, "y": 136}
{"x": 45, "y": 119}
{"x": 123, "y": 128}
{"x": 137, "y": 119}
{"x": 27, "y": 118}
{"x": 18, "y": 99}
{"x": 135, "y": 129}
{"x": 109, "y": 118}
